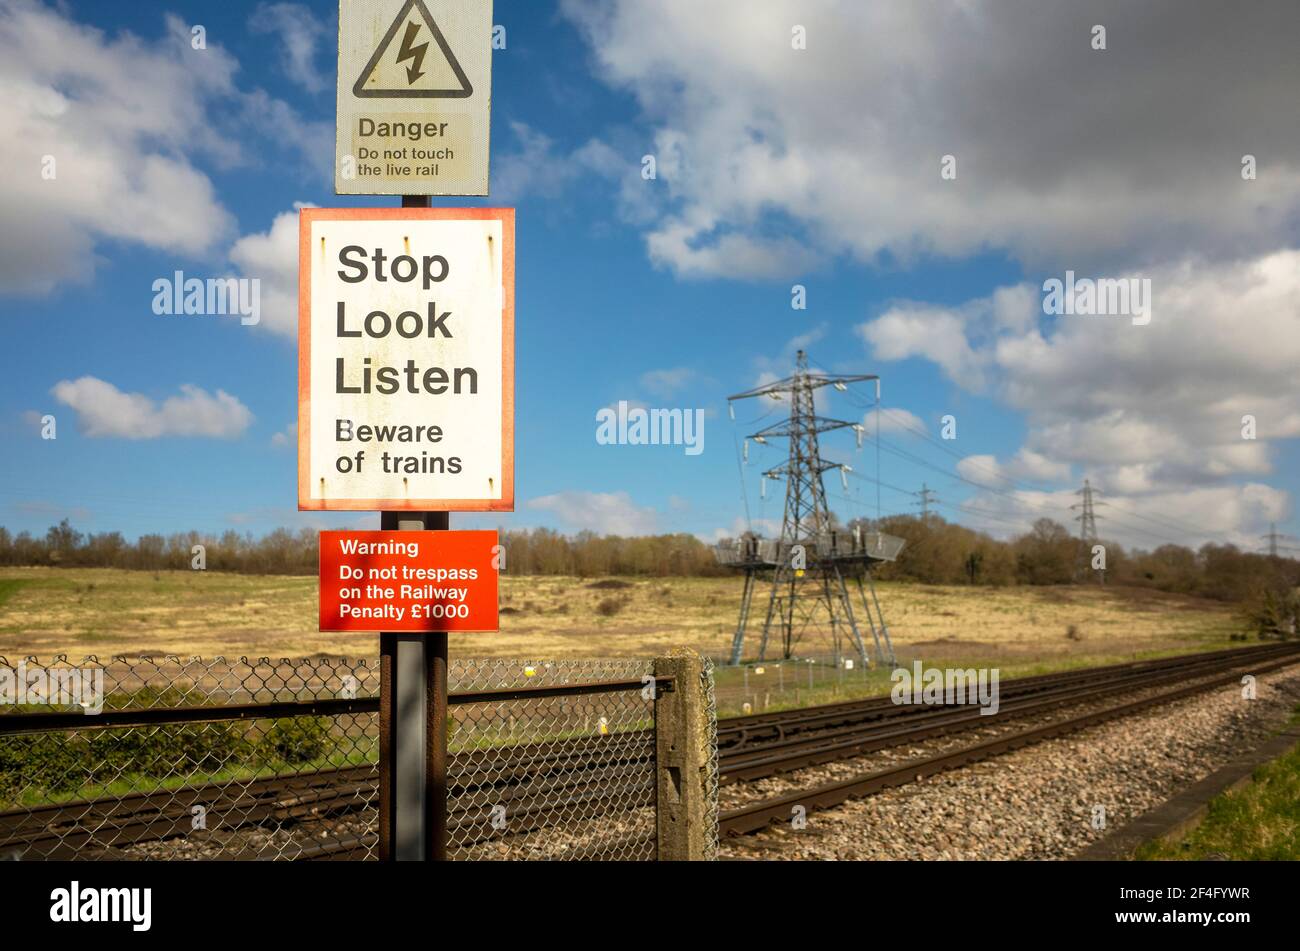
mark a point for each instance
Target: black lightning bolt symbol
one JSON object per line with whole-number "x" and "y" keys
{"x": 413, "y": 53}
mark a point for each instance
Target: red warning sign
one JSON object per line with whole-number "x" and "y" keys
{"x": 409, "y": 581}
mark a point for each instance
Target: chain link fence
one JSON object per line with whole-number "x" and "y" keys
{"x": 569, "y": 776}
{"x": 171, "y": 758}
{"x": 187, "y": 758}
{"x": 774, "y": 685}
{"x": 713, "y": 775}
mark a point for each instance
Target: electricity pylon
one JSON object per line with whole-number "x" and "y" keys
{"x": 1087, "y": 519}
{"x": 927, "y": 499}
{"x": 1272, "y": 538}
{"x": 814, "y": 560}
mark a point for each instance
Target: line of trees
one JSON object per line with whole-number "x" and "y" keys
{"x": 278, "y": 552}
{"x": 937, "y": 552}
{"x": 940, "y": 552}
{"x": 528, "y": 552}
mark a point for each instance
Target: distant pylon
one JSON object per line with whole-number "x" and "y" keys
{"x": 927, "y": 499}
{"x": 1087, "y": 519}
{"x": 1272, "y": 538}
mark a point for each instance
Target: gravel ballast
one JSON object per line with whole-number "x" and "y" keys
{"x": 1040, "y": 802}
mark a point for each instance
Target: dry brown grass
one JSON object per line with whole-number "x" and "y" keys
{"x": 106, "y": 611}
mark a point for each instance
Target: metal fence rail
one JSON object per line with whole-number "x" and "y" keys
{"x": 244, "y": 759}
{"x": 189, "y": 758}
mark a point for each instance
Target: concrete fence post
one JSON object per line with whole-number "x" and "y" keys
{"x": 682, "y": 758}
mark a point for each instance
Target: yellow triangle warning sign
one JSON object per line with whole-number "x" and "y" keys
{"x": 413, "y": 61}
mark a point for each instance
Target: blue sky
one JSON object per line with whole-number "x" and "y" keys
{"x": 672, "y": 292}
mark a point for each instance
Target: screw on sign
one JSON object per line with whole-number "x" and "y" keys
{"x": 414, "y": 97}
{"x": 406, "y": 359}
{"x": 408, "y": 581}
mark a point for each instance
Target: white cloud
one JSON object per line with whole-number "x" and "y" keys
{"x": 677, "y": 245}
{"x": 120, "y": 119}
{"x": 612, "y": 406}
{"x": 105, "y": 411}
{"x": 893, "y": 419}
{"x": 272, "y": 257}
{"x": 286, "y": 437}
{"x": 771, "y": 369}
{"x": 537, "y": 167}
{"x": 300, "y": 30}
{"x": 668, "y": 381}
{"x": 310, "y": 143}
{"x": 127, "y": 123}
{"x": 767, "y": 527}
{"x": 607, "y": 513}
{"x": 1236, "y": 514}
{"x": 763, "y": 167}
{"x": 1025, "y": 465}
{"x": 1060, "y": 166}
{"x": 1147, "y": 406}
{"x": 934, "y": 333}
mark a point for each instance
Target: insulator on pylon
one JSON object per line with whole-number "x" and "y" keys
{"x": 762, "y": 487}
{"x": 840, "y": 386}
{"x": 731, "y": 410}
{"x": 860, "y": 430}
{"x": 746, "y": 450}
{"x": 877, "y": 391}
{"x": 844, "y": 477}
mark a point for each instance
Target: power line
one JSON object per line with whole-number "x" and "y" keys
{"x": 1162, "y": 521}
{"x": 1165, "y": 522}
{"x": 1168, "y": 523}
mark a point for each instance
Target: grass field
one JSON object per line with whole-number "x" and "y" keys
{"x": 44, "y": 611}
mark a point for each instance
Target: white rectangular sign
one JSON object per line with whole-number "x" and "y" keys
{"x": 414, "y": 97}
{"x": 406, "y": 359}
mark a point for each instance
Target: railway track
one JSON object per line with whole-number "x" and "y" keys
{"x": 544, "y": 784}
{"x": 755, "y": 816}
{"x": 1018, "y": 700}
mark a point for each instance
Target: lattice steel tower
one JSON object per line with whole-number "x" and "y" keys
{"x": 813, "y": 561}
{"x": 1274, "y": 536}
{"x": 927, "y": 499}
{"x": 1087, "y": 519}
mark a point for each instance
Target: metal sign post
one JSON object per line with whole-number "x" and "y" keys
{"x": 413, "y": 730}
{"x": 413, "y": 706}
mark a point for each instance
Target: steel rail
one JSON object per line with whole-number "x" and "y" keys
{"x": 755, "y": 816}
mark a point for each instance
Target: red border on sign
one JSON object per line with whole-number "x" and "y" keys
{"x": 507, "y": 218}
